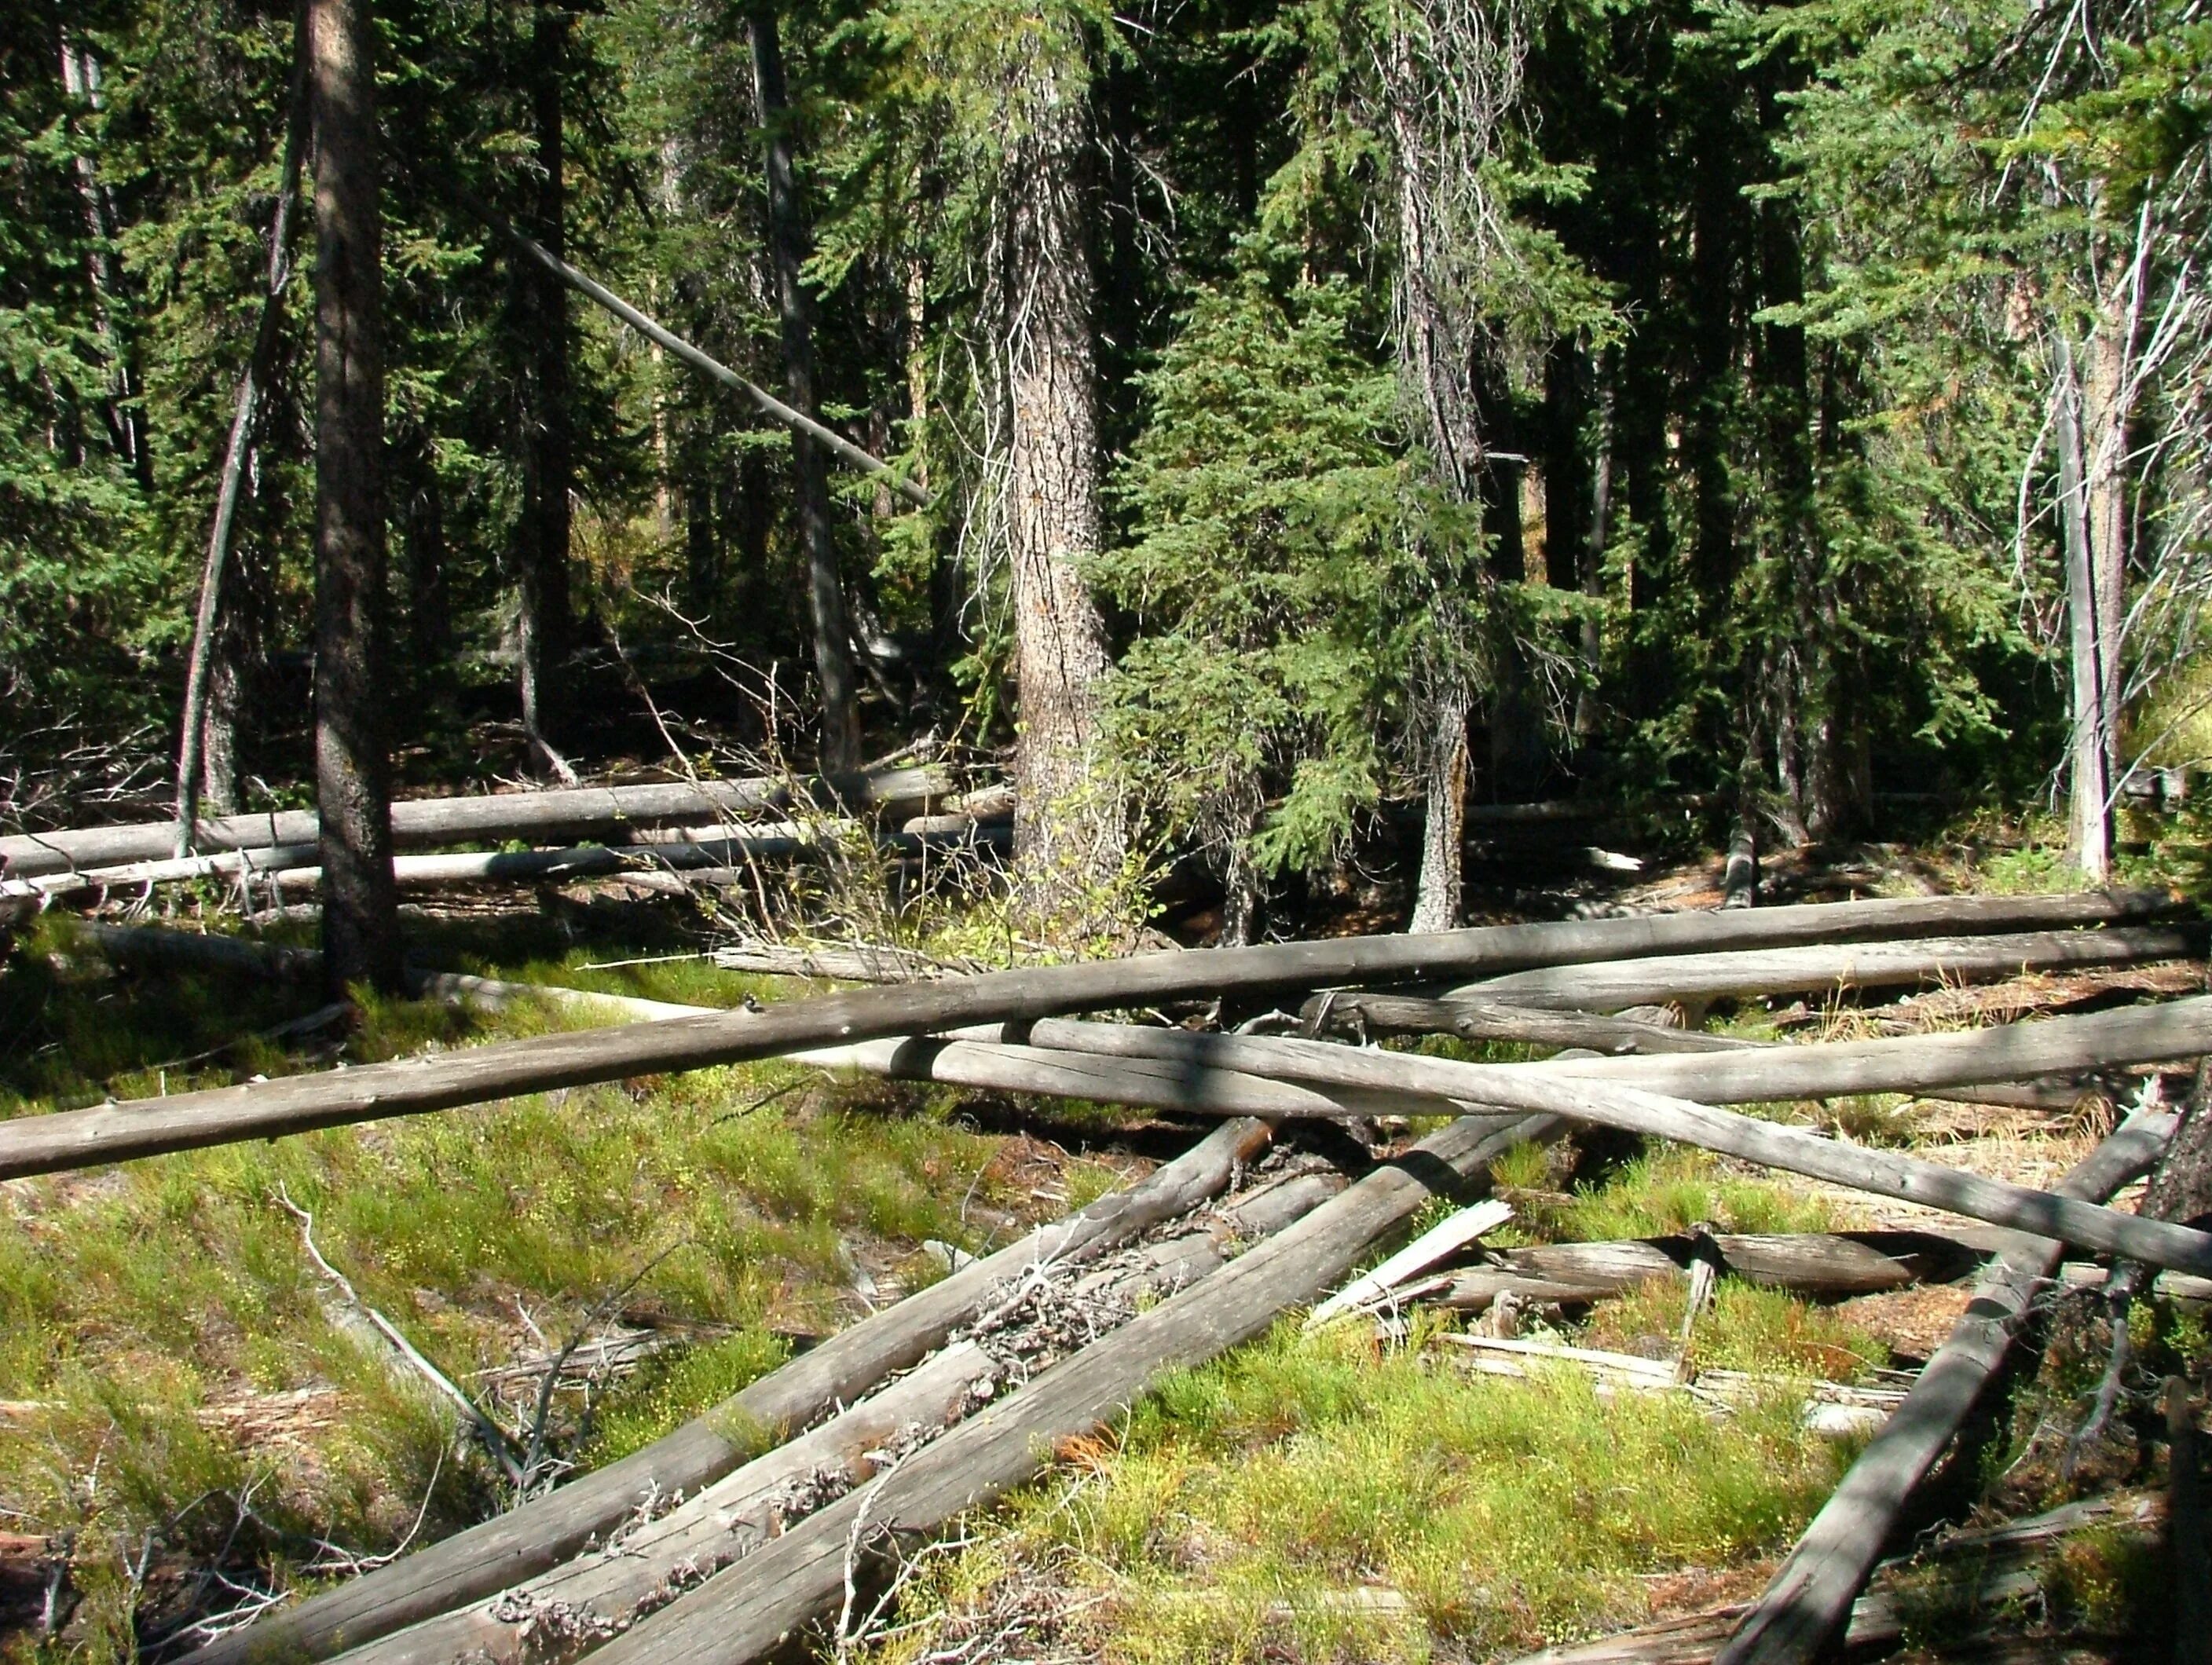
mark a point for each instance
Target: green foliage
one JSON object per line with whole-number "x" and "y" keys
{"x": 1289, "y": 575}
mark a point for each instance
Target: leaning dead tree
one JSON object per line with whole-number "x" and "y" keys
{"x": 193, "y": 747}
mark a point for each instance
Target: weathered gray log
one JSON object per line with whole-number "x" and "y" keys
{"x": 576, "y": 1606}
{"x": 175, "y": 870}
{"x": 606, "y": 813}
{"x": 2177, "y": 1031}
{"x": 1812, "y": 969}
{"x": 743, "y": 1614}
{"x": 488, "y": 1558}
{"x": 1998, "y": 1569}
{"x": 1833, "y": 1264}
{"x": 1484, "y": 1020}
{"x": 70, "y": 1138}
{"x": 1810, "y": 1598}
{"x": 1549, "y": 1091}
{"x": 1353, "y": 1010}
{"x": 2061, "y": 1047}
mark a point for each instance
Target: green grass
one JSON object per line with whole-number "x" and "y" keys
{"x": 1746, "y": 1329}
{"x": 1249, "y": 1497}
{"x": 1668, "y": 1191}
{"x": 139, "y": 1303}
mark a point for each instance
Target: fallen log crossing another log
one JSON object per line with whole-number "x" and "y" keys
{"x": 1809, "y": 1599}
{"x": 746, "y": 1613}
{"x": 490, "y": 1556}
{"x": 111, "y": 1133}
{"x": 1548, "y": 1090}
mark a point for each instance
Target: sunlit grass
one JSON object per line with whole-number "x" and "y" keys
{"x": 1252, "y": 1501}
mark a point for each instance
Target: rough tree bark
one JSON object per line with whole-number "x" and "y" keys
{"x": 207, "y": 746}
{"x": 544, "y": 624}
{"x": 360, "y": 911}
{"x": 826, "y": 593}
{"x": 1068, "y": 838}
{"x": 1443, "y": 825}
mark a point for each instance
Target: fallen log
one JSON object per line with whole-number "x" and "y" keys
{"x": 1930, "y": 1064}
{"x": 1550, "y": 1091}
{"x": 142, "y": 875}
{"x": 1701, "y": 977}
{"x": 1355, "y": 1011}
{"x": 488, "y": 1558}
{"x": 42, "y": 1144}
{"x": 972, "y": 1059}
{"x": 2178, "y": 1031}
{"x": 744, "y": 1613}
{"x": 1483, "y": 1020}
{"x": 1834, "y": 1265}
{"x": 606, "y": 813}
{"x": 1997, "y": 1572}
{"x": 576, "y": 1608}
{"x": 1810, "y": 1598}
{"x": 579, "y": 1605}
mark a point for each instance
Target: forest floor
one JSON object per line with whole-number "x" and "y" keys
{"x": 188, "y": 1421}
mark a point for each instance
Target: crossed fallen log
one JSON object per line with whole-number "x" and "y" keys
{"x": 1014, "y": 1029}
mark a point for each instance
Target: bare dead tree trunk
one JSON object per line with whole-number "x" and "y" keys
{"x": 825, "y": 591}
{"x": 546, "y": 623}
{"x": 2105, "y": 448}
{"x": 126, "y": 423}
{"x": 208, "y": 743}
{"x": 1444, "y": 824}
{"x": 2088, "y": 748}
{"x": 361, "y": 912}
{"x": 1068, "y": 835}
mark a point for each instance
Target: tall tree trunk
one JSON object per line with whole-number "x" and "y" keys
{"x": 360, "y": 911}
{"x": 1597, "y": 536}
{"x": 2088, "y": 752}
{"x": 1439, "y": 892}
{"x": 208, "y": 743}
{"x": 546, "y": 623}
{"x": 1069, "y": 840}
{"x": 826, "y": 593}
{"x": 126, "y": 424}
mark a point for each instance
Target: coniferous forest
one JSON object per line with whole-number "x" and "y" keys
{"x": 688, "y": 504}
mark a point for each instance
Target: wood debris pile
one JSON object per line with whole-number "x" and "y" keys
{"x": 947, "y": 1399}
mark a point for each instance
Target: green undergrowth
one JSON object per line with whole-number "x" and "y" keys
{"x": 167, "y": 1347}
{"x": 1315, "y": 1498}
{"x": 1666, "y": 1191}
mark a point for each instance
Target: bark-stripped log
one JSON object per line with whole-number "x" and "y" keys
{"x": 578, "y": 1607}
{"x": 2176, "y": 1030}
{"x": 1810, "y": 1598}
{"x": 488, "y": 1558}
{"x": 1479, "y": 1020}
{"x": 600, "y": 812}
{"x": 746, "y": 1613}
{"x": 1835, "y": 1265}
{"x": 264, "y": 1109}
{"x": 1802, "y": 970}
{"x": 1548, "y": 1091}
{"x": 1996, "y": 1570}
{"x": 566, "y": 1612}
